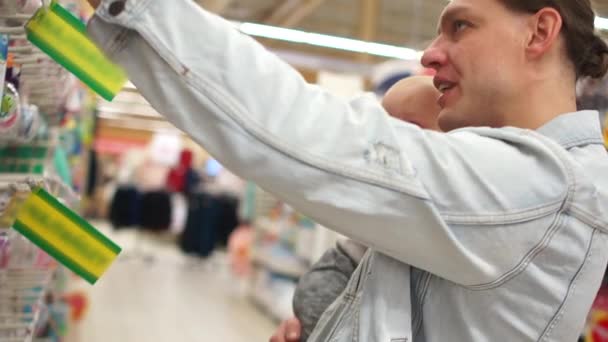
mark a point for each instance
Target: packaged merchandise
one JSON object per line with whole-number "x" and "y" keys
{"x": 29, "y": 123}
{"x": 10, "y": 113}
{"x": 12, "y": 7}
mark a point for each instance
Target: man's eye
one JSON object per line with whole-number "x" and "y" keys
{"x": 460, "y": 25}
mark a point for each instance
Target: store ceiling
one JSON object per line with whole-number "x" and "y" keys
{"x": 410, "y": 23}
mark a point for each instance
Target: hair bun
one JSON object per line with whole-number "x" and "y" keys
{"x": 595, "y": 63}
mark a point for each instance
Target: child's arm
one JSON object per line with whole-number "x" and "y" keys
{"x": 326, "y": 280}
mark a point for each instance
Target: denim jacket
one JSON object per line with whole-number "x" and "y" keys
{"x": 505, "y": 228}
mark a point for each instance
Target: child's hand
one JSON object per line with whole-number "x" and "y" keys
{"x": 289, "y": 331}
{"x": 94, "y": 3}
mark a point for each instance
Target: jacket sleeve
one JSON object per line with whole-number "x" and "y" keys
{"x": 394, "y": 187}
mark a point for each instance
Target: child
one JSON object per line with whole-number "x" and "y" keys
{"x": 414, "y": 100}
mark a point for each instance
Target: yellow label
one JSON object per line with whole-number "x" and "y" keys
{"x": 66, "y": 236}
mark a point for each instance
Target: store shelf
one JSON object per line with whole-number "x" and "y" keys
{"x": 51, "y": 183}
{"x": 273, "y": 296}
{"x": 28, "y": 276}
{"x": 291, "y": 267}
{"x": 25, "y": 280}
{"x": 268, "y": 227}
{"x": 261, "y": 301}
{"x": 22, "y": 326}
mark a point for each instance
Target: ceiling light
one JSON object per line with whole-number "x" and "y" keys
{"x": 323, "y": 40}
{"x": 601, "y": 23}
{"x": 346, "y": 44}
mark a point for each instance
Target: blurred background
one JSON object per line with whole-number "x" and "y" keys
{"x": 206, "y": 256}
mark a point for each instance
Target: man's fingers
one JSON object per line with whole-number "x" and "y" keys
{"x": 94, "y": 3}
{"x": 289, "y": 331}
{"x": 279, "y": 335}
{"x": 293, "y": 330}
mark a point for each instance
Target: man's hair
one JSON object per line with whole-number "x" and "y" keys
{"x": 587, "y": 51}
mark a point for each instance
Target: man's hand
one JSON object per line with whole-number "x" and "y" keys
{"x": 289, "y": 331}
{"x": 94, "y": 3}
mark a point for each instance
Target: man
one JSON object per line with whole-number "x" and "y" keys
{"x": 501, "y": 219}
{"x": 414, "y": 100}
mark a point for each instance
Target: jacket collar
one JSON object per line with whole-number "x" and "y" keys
{"x": 574, "y": 129}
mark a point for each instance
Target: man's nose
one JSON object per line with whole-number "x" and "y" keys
{"x": 434, "y": 56}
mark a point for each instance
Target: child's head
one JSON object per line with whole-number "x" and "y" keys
{"x": 414, "y": 100}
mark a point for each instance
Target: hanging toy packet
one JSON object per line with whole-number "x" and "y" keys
{"x": 63, "y": 37}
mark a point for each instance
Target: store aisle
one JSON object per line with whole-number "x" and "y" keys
{"x": 169, "y": 299}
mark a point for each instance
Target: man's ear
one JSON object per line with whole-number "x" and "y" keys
{"x": 545, "y": 27}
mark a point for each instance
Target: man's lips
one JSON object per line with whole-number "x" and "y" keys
{"x": 445, "y": 87}
{"x": 443, "y": 84}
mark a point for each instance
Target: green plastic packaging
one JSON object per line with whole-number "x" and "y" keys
{"x": 63, "y": 37}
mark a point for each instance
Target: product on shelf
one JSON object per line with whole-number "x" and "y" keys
{"x": 12, "y": 7}
{"x": 65, "y": 236}
{"x": 30, "y": 123}
{"x": 10, "y": 113}
{"x": 25, "y": 286}
{"x": 63, "y": 37}
{"x": 38, "y": 101}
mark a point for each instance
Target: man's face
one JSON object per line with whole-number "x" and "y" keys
{"x": 478, "y": 55}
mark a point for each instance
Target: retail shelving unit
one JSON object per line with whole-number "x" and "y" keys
{"x": 30, "y": 281}
{"x": 27, "y": 275}
{"x": 285, "y": 246}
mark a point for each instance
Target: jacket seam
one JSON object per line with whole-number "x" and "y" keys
{"x": 348, "y": 300}
{"x": 562, "y": 155}
{"x": 356, "y": 323}
{"x": 110, "y": 44}
{"x": 119, "y": 41}
{"x": 352, "y": 262}
{"x": 525, "y": 261}
{"x": 588, "y": 219}
{"x": 571, "y": 287}
{"x": 519, "y": 216}
{"x": 417, "y": 311}
{"x": 579, "y": 142}
{"x": 425, "y": 290}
